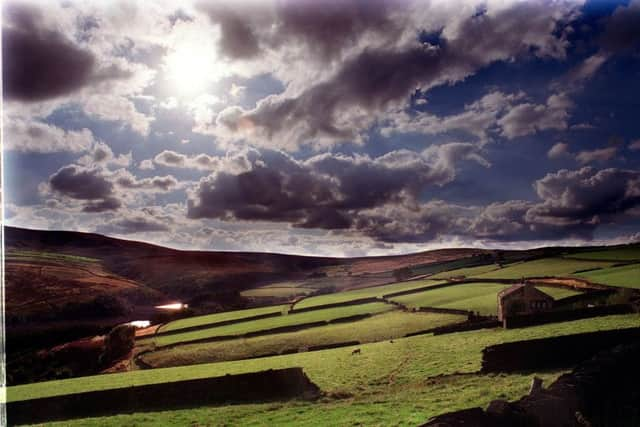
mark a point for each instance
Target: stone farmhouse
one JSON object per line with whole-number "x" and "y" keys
{"x": 522, "y": 298}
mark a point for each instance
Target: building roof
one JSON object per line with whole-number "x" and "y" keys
{"x": 510, "y": 290}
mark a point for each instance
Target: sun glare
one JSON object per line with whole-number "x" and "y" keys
{"x": 190, "y": 69}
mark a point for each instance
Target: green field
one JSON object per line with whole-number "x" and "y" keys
{"x": 393, "y": 405}
{"x": 476, "y": 297}
{"x": 221, "y": 317}
{"x": 480, "y": 297}
{"x": 628, "y": 253}
{"x": 371, "y": 292}
{"x": 467, "y": 272}
{"x": 273, "y": 291}
{"x": 543, "y": 267}
{"x": 381, "y": 327}
{"x": 626, "y": 276}
{"x": 269, "y": 323}
{"x": 409, "y": 360}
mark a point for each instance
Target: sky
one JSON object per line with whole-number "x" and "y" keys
{"x": 330, "y": 127}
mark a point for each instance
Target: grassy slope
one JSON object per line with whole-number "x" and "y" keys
{"x": 629, "y": 253}
{"x": 220, "y": 317}
{"x": 394, "y": 405}
{"x": 467, "y": 272}
{"x": 627, "y": 276}
{"x": 480, "y": 297}
{"x": 410, "y": 360}
{"x": 283, "y": 292}
{"x": 543, "y": 267}
{"x": 384, "y": 326}
{"x": 375, "y": 291}
{"x": 271, "y": 322}
{"x": 473, "y": 297}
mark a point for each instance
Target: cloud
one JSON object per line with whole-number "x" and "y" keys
{"x": 324, "y": 191}
{"x": 237, "y": 37}
{"x": 124, "y": 179}
{"x": 586, "y": 197}
{"x": 101, "y": 154}
{"x": 87, "y": 185}
{"x": 146, "y": 164}
{"x": 202, "y": 162}
{"x": 344, "y": 105}
{"x": 133, "y": 223}
{"x": 61, "y": 55}
{"x": 559, "y": 150}
{"x": 81, "y": 183}
{"x": 622, "y": 30}
{"x": 330, "y": 27}
{"x": 100, "y": 190}
{"x": 585, "y": 70}
{"x": 40, "y": 63}
{"x": 104, "y": 205}
{"x": 598, "y": 155}
{"x": 323, "y": 30}
{"x": 528, "y": 118}
{"x": 621, "y": 34}
{"x": 38, "y": 137}
{"x": 478, "y": 119}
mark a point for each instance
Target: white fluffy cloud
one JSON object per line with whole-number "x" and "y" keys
{"x": 38, "y": 137}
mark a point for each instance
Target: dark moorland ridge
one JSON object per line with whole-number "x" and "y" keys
{"x": 143, "y": 275}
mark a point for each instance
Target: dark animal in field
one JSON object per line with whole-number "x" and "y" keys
{"x": 391, "y": 341}
{"x": 356, "y": 351}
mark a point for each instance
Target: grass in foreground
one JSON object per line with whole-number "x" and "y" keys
{"x": 221, "y": 317}
{"x": 543, "y": 267}
{"x": 480, "y": 297}
{"x": 371, "y": 292}
{"x": 405, "y": 362}
{"x": 381, "y": 327}
{"x": 398, "y": 405}
{"x": 627, "y": 276}
{"x": 269, "y": 323}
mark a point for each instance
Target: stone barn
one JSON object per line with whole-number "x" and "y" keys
{"x": 522, "y": 298}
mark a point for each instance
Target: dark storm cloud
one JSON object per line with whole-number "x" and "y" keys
{"x": 81, "y": 183}
{"x": 237, "y": 37}
{"x": 328, "y": 27}
{"x": 377, "y": 79}
{"x": 88, "y": 185}
{"x": 40, "y": 63}
{"x": 622, "y": 29}
{"x": 325, "y": 191}
{"x": 585, "y": 197}
{"x": 97, "y": 188}
{"x": 572, "y": 204}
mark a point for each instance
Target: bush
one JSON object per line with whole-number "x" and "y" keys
{"x": 118, "y": 342}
